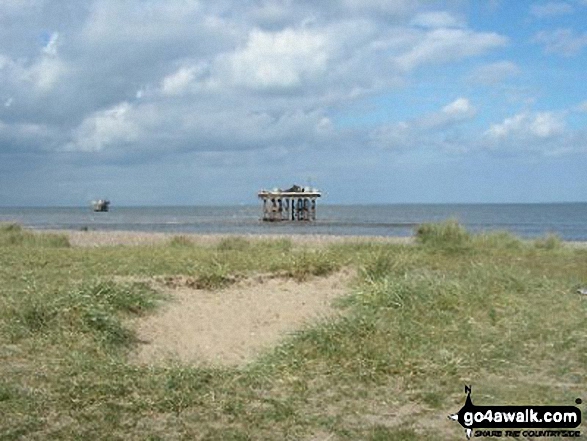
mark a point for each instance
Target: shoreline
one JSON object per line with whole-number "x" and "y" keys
{"x": 99, "y": 238}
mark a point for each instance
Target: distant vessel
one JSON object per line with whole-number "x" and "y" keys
{"x": 101, "y": 205}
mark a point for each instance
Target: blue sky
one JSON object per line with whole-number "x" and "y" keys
{"x": 184, "y": 102}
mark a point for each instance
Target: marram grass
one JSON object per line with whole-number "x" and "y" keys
{"x": 418, "y": 323}
{"x": 15, "y": 235}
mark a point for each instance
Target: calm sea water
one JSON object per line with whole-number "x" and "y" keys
{"x": 569, "y": 221}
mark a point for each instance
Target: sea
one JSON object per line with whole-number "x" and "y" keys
{"x": 567, "y": 220}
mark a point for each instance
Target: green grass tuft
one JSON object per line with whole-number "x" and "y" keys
{"x": 304, "y": 264}
{"x": 15, "y": 235}
{"x": 235, "y": 243}
{"x": 10, "y": 228}
{"x": 499, "y": 239}
{"x": 549, "y": 242}
{"x": 181, "y": 241}
{"x": 449, "y": 236}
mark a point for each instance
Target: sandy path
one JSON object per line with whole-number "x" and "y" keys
{"x": 233, "y": 325}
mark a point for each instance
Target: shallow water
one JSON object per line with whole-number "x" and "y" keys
{"x": 568, "y": 220}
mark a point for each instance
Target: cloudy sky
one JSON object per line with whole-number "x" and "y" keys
{"x": 182, "y": 102}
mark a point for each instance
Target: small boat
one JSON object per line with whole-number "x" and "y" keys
{"x": 101, "y": 205}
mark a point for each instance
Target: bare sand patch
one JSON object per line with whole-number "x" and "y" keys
{"x": 233, "y": 325}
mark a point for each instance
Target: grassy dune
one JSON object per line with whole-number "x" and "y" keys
{"x": 420, "y": 321}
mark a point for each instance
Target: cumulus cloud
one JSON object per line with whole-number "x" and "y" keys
{"x": 179, "y": 81}
{"x": 458, "y": 109}
{"x": 527, "y": 125}
{"x": 104, "y": 129}
{"x": 46, "y": 73}
{"x": 158, "y": 129}
{"x": 541, "y": 134}
{"x": 279, "y": 59}
{"x": 192, "y": 60}
{"x": 45, "y": 70}
{"x": 153, "y": 80}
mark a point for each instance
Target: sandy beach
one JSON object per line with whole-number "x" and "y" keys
{"x": 98, "y": 238}
{"x": 111, "y": 238}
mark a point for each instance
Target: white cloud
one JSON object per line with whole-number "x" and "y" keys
{"x": 458, "y": 108}
{"x": 543, "y": 134}
{"x": 561, "y": 41}
{"x": 179, "y": 81}
{"x": 443, "y": 45}
{"x": 46, "y": 73}
{"x": 547, "y": 124}
{"x": 551, "y": 9}
{"x": 105, "y": 128}
{"x": 156, "y": 82}
{"x": 528, "y": 125}
{"x": 455, "y": 112}
{"x": 279, "y": 59}
{"x": 241, "y": 129}
{"x": 426, "y": 130}
{"x": 192, "y": 75}
{"x": 582, "y": 107}
{"x": 43, "y": 72}
{"x": 493, "y": 73}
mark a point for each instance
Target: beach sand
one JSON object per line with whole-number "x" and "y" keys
{"x": 97, "y": 238}
{"x": 110, "y": 238}
{"x": 233, "y": 325}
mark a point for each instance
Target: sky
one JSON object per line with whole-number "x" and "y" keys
{"x": 196, "y": 102}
